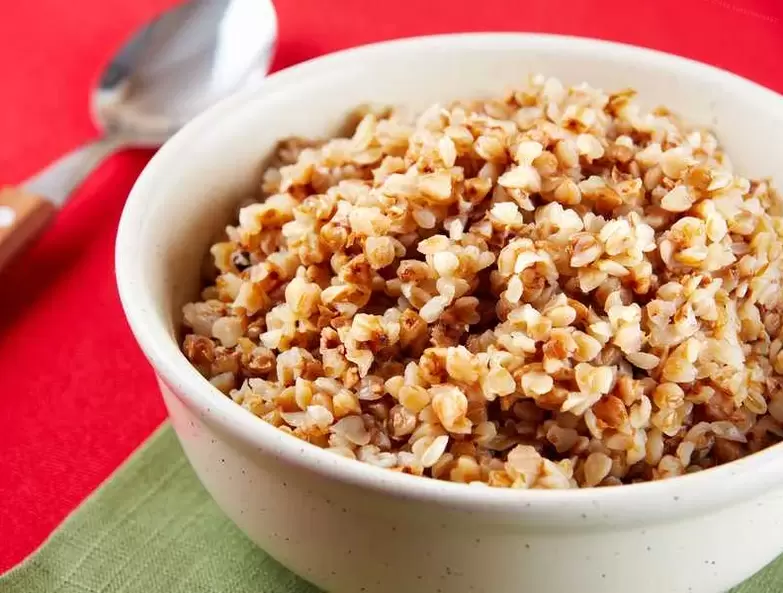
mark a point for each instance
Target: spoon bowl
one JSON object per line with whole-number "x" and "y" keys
{"x": 181, "y": 63}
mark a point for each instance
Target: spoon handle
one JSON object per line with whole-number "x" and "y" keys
{"x": 22, "y": 217}
{"x": 60, "y": 179}
{"x": 26, "y": 210}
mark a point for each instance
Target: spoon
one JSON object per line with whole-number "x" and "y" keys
{"x": 180, "y": 63}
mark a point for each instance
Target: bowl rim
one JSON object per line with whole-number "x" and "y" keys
{"x": 727, "y": 484}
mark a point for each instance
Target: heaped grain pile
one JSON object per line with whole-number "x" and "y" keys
{"x": 553, "y": 289}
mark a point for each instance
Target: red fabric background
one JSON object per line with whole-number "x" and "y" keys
{"x": 76, "y": 396}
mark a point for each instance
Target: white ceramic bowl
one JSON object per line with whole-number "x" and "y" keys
{"x": 350, "y": 527}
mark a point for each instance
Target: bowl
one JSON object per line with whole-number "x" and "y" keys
{"x": 350, "y": 527}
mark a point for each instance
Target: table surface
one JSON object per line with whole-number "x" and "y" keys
{"x": 76, "y": 396}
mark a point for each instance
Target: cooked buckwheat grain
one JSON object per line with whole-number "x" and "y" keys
{"x": 553, "y": 289}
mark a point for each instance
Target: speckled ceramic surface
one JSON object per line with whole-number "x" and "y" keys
{"x": 352, "y": 528}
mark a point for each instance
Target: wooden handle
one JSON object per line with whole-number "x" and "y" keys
{"x": 22, "y": 217}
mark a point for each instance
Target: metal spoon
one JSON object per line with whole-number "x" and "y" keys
{"x": 186, "y": 59}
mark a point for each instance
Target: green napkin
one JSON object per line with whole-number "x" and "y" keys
{"x": 152, "y": 528}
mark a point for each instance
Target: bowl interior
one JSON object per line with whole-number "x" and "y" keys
{"x": 191, "y": 188}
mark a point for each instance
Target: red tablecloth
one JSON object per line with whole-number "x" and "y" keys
{"x": 76, "y": 396}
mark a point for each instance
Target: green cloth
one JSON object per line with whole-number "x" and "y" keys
{"x": 152, "y": 528}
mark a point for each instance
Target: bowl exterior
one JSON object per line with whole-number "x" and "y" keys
{"x": 348, "y": 540}
{"x": 348, "y": 528}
